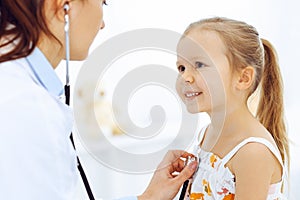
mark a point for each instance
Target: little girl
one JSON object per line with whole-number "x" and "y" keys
{"x": 241, "y": 156}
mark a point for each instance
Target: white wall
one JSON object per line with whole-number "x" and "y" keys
{"x": 276, "y": 20}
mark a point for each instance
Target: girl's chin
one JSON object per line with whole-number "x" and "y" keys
{"x": 194, "y": 110}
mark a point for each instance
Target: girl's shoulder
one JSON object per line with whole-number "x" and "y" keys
{"x": 258, "y": 146}
{"x": 258, "y": 157}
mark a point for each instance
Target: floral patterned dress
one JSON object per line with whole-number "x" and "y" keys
{"x": 214, "y": 181}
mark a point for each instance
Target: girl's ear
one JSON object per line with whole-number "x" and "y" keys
{"x": 246, "y": 78}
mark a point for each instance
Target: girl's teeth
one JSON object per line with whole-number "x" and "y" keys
{"x": 192, "y": 94}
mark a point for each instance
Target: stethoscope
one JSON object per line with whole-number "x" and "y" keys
{"x": 67, "y": 96}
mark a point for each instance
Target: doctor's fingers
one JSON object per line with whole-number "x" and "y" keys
{"x": 173, "y": 155}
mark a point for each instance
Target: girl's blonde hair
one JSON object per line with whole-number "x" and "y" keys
{"x": 245, "y": 48}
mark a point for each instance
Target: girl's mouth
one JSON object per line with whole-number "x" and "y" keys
{"x": 192, "y": 94}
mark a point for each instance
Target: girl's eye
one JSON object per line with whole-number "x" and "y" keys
{"x": 181, "y": 68}
{"x": 199, "y": 64}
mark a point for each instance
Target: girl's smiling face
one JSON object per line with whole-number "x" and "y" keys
{"x": 204, "y": 79}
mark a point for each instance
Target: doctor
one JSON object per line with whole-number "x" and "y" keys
{"x": 37, "y": 160}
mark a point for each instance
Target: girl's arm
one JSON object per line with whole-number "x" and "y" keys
{"x": 253, "y": 166}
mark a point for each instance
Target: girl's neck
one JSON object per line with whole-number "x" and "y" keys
{"x": 230, "y": 121}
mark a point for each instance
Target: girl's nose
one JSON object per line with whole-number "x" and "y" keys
{"x": 188, "y": 77}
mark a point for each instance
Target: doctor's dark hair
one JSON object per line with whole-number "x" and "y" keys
{"x": 21, "y": 24}
{"x": 245, "y": 48}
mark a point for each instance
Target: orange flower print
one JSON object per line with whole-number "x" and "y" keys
{"x": 197, "y": 196}
{"x": 224, "y": 191}
{"x": 229, "y": 197}
{"x": 206, "y": 187}
{"x": 213, "y": 159}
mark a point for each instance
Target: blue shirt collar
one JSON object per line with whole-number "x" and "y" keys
{"x": 44, "y": 72}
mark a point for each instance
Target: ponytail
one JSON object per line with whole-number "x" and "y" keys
{"x": 21, "y": 24}
{"x": 270, "y": 108}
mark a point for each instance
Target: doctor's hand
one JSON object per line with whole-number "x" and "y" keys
{"x": 164, "y": 184}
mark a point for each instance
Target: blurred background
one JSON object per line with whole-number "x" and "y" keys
{"x": 275, "y": 20}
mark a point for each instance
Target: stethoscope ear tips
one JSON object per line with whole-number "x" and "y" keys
{"x": 66, "y": 7}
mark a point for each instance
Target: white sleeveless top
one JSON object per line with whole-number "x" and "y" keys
{"x": 214, "y": 181}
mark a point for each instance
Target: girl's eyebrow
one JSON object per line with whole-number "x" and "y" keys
{"x": 198, "y": 57}
{"x": 184, "y": 59}
{"x": 178, "y": 63}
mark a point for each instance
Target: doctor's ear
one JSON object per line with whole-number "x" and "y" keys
{"x": 66, "y": 7}
{"x": 63, "y": 8}
{"x": 245, "y": 78}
